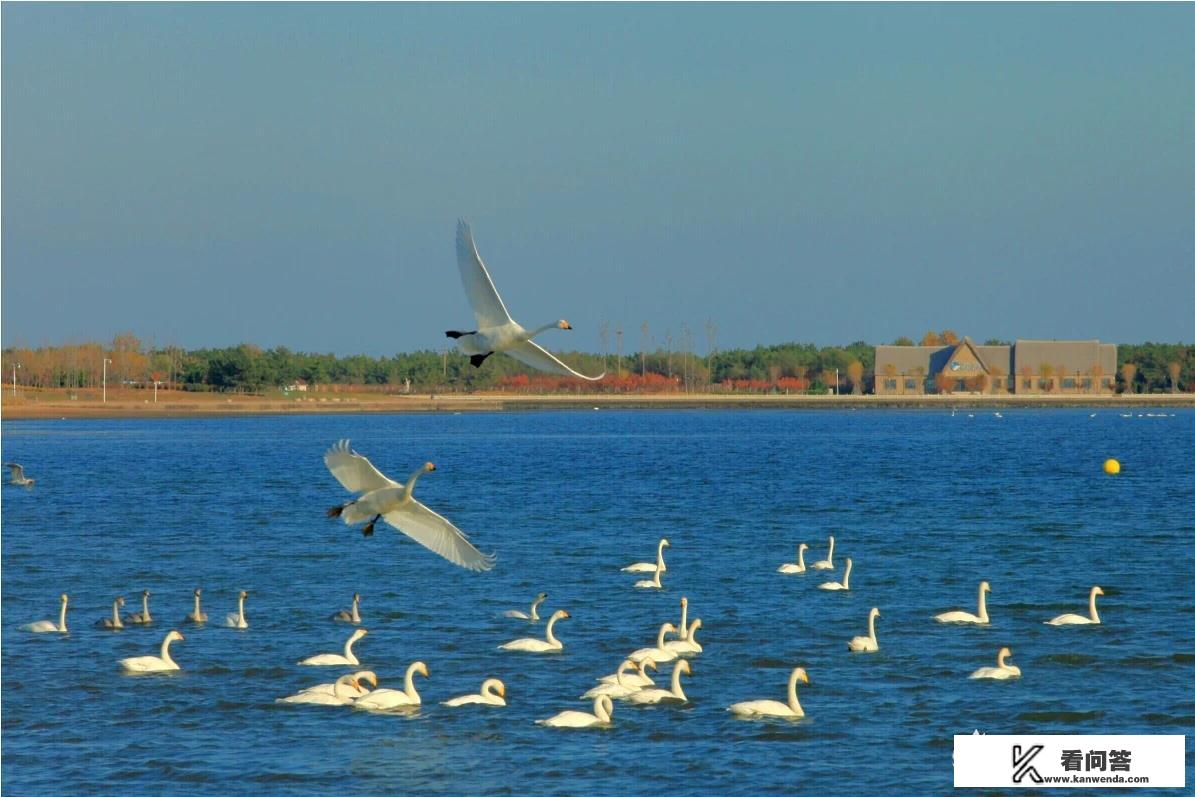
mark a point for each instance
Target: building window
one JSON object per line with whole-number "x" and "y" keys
{"x": 910, "y": 384}
{"x": 1106, "y": 382}
{"x": 1068, "y": 383}
{"x": 1087, "y": 384}
{"x": 1027, "y": 384}
{"x": 889, "y": 384}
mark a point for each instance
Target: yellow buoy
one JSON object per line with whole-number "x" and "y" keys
{"x": 1111, "y": 467}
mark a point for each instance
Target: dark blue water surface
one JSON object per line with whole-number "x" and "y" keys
{"x": 927, "y": 504}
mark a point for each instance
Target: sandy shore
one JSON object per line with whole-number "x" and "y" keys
{"x": 46, "y": 405}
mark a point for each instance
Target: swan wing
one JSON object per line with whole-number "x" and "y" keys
{"x": 17, "y": 471}
{"x": 531, "y": 353}
{"x": 435, "y": 533}
{"x": 356, "y": 473}
{"x": 487, "y": 305}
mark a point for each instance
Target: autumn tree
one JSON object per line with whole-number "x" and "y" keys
{"x": 1046, "y": 372}
{"x": 854, "y": 372}
{"x": 944, "y": 383}
{"x": 949, "y": 337}
{"x": 1174, "y": 369}
{"x": 1128, "y": 372}
{"x": 931, "y": 339}
{"x": 903, "y": 340}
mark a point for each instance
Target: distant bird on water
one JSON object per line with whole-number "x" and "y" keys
{"x": 17, "y": 475}
{"x": 496, "y": 330}
{"x": 381, "y": 498}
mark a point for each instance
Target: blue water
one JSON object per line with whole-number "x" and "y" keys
{"x": 926, "y": 504}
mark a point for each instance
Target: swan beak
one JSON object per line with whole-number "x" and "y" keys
{"x": 430, "y": 466}
{"x": 803, "y": 678}
{"x": 502, "y": 689}
{"x": 565, "y": 616}
{"x": 181, "y": 637}
{"x": 565, "y": 325}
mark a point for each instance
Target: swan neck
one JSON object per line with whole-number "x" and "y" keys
{"x": 660, "y": 555}
{"x": 599, "y": 709}
{"x": 871, "y": 627}
{"x": 145, "y": 607}
{"x": 241, "y": 609}
{"x": 116, "y": 615}
{"x": 793, "y": 703}
{"x": 830, "y": 555}
{"x": 356, "y": 611}
{"x": 62, "y": 617}
{"x": 676, "y": 688}
{"x": 1000, "y": 657}
{"x": 197, "y": 607}
{"x": 684, "y": 621}
{"x": 535, "y": 608}
{"x": 531, "y": 334}
{"x": 660, "y": 637}
{"x": 549, "y": 636}
{"x": 166, "y": 650}
{"x": 348, "y": 649}
{"x": 983, "y": 606}
{"x": 1095, "y": 618}
{"x": 340, "y": 686}
{"x": 410, "y": 485}
{"x": 408, "y": 683}
{"x": 846, "y": 577}
{"x": 800, "y": 558}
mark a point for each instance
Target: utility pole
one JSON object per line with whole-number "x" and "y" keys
{"x": 668, "y": 348}
{"x": 618, "y": 337}
{"x": 15, "y": 366}
{"x": 643, "y": 342}
{"x": 711, "y": 337}
{"x": 604, "y": 333}
{"x": 106, "y": 361}
{"x": 836, "y": 382}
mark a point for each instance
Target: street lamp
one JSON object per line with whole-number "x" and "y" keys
{"x": 836, "y": 382}
{"x": 106, "y": 361}
{"x": 156, "y": 383}
{"x": 15, "y": 366}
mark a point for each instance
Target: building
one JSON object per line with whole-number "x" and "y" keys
{"x": 1030, "y": 367}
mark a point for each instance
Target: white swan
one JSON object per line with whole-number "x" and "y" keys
{"x": 549, "y": 644}
{"x": 1002, "y": 671}
{"x": 632, "y": 679}
{"x": 650, "y": 696}
{"x": 621, "y": 686}
{"x": 383, "y": 699}
{"x": 346, "y": 690}
{"x": 684, "y": 618}
{"x": 799, "y": 567}
{"x": 846, "y": 579}
{"x": 352, "y": 614}
{"x": 159, "y": 663}
{"x": 603, "y": 712}
{"x": 967, "y": 617}
{"x": 828, "y": 562}
{"x": 493, "y": 693}
{"x": 330, "y": 688}
{"x": 686, "y": 645}
{"x": 1078, "y": 619}
{"x": 142, "y": 617}
{"x": 533, "y": 615}
{"x": 197, "y": 615}
{"x": 383, "y": 498}
{"x": 16, "y": 475}
{"x": 651, "y": 567}
{"x": 659, "y": 653}
{"x": 237, "y": 618}
{"x": 333, "y": 659}
{"x": 49, "y": 626}
{"x": 869, "y": 643}
{"x": 496, "y": 330}
{"x": 650, "y": 583}
{"x": 113, "y": 622}
{"x": 774, "y": 708}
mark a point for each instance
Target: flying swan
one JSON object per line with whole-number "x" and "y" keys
{"x": 49, "y": 626}
{"x": 866, "y": 644}
{"x": 651, "y": 567}
{"x": 383, "y": 498}
{"x": 789, "y": 568}
{"x": 496, "y": 330}
{"x": 752, "y": 709}
{"x": 493, "y": 693}
{"x": 967, "y": 617}
{"x": 1002, "y": 671}
{"x": 333, "y": 659}
{"x": 549, "y": 644}
{"x": 159, "y": 663}
{"x": 16, "y": 474}
{"x": 533, "y": 615}
{"x": 1078, "y": 619}
{"x": 384, "y": 699}
{"x": 603, "y": 711}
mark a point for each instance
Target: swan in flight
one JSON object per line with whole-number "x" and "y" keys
{"x": 493, "y": 693}
{"x": 383, "y": 498}
{"x": 142, "y": 617}
{"x": 113, "y": 622}
{"x": 633, "y": 679}
{"x": 49, "y": 626}
{"x": 651, "y": 567}
{"x": 846, "y": 579}
{"x": 237, "y": 618}
{"x": 16, "y": 474}
{"x": 160, "y": 663}
{"x": 533, "y": 615}
{"x": 1002, "y": 671}
{"x": 773, "y": 708}
{"x": 384, "y": 699}
{"x": 346, "y": 690}
{"x": 330, "y": 688}
{"x": 603, "y": 711}
{"x": 332, "y": 659}
{"x": 650, "y": 696}
{"x": 828, "y": 562}
{"x": 549, "y": 644}
{"x": 967, "y": 617}
{"x": 686, "y": 645}
{"x": 659, "y": 653}
{"x": 866, "y": 644}
{"x": 197, "y": 616}
{"x": 1078, "y": 619}
{"x": 496, "y": 330}
{"x": 799, "y": 567}
{"x": 351, "y": 615}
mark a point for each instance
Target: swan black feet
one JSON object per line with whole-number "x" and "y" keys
{"x": 477, "y": 359}
{"x": 367, "y": 530}
{"x": 336, "y": 510}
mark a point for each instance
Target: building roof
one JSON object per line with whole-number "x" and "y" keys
{"x": 906, "y": 359}
{"x": 1065, "y": 356}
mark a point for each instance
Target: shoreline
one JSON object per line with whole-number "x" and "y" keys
{"x": 206, "y": 406}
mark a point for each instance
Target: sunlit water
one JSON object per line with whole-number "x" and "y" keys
{"x": 926, "y": 504}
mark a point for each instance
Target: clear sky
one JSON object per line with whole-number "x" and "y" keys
{"x": 292, "y": 174}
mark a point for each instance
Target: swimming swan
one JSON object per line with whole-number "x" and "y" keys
{"x": 197, "y": 615}
{"x": 650, "y": 583}
{"x": 659, "y": 653}
{"x": 493, "y": 693}
{"x": 549, "y": 644}
{"x": 684, "y": 618}
{"x": 142, "y": 617}
{"x": 237, "y": 618}
{"x": 622, "y": 686}
{"x": 651, "y": 567}
{"x": 799, "y": 567}
{"x": 967, "y": 617}
{"x": 1002, "y": 671}
{"x": 866, "y": 644}
{"x": 496, "y": 330}
{"x": 345, "y": 691}
{"x": 828, "y": 562}
{"x": 1078, "y": 619}
{"x": 383, "y": 498}
{"x": 603, "y": 712}
{"x": 330, "y": 688}
{"x": 113, "y": 622}
{"x": 533, "y": 615}
{"x": 846, "y": 579}
{"x": 159, "y": 663}
{"x": 351, "y": 615}
{"x": 686, "y": 646}
{"x": 773, "y": 708}
{"x": 383, "y": 699}
{"x": 48, "y": 626}
{"x": 650, "y": 696}
{"x": 632, "y": 679}
{"x": 332, "y": 659}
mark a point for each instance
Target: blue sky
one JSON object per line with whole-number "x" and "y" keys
{"x": 292, "y": 174}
